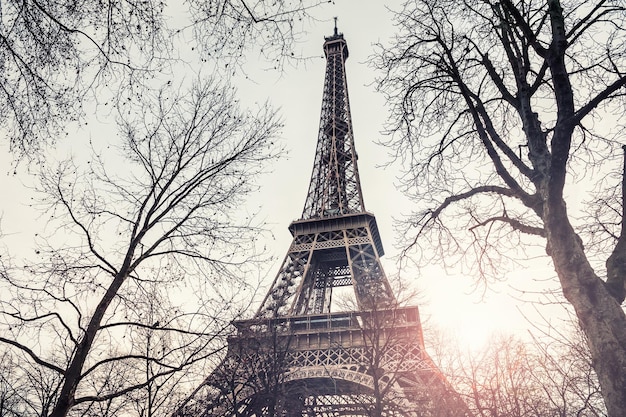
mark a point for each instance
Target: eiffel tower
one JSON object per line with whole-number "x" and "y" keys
{"x": 298, "y": 357}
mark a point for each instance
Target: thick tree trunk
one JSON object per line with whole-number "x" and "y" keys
{"x": 616, "y": 263}
{"x": 600, "y": 315}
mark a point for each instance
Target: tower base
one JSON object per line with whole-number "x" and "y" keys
{"x": 367, "y": 363}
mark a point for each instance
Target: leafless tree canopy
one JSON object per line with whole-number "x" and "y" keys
{"x": 551, "y": 377}
{"x": 141, "y": 267}
{"x": 442, "y": 61}
{"x": 501, "y": 114}
{"x": 54, "y": 53}
{"x": 56, "y": 57}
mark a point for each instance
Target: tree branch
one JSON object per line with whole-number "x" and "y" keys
{"x": 485, "y": 189}
{"x": 32, "y": 354}
{"x": 515, "y": 224}
{"x": 82, "y": 33}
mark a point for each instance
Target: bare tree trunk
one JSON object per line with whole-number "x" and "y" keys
{"x": 599, "y": 314}
{"x": 616, "y": 263}
{"x": 75, "y": 367}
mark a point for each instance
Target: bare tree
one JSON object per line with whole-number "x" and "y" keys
{"x": 260, "y": 373}
{"x": 250, "y": 378}
{"x": 393, "y": 348}
{"x": 57, "y": 57}
{"x": 500, "y": 382}
{"x": 142, "y": 267}
{"x": 26, "y": 389}
{"x": 551, "y": 376}
{"x": 9, "y": 387}
{"x": 54, "y": 53}
{"x": 503, "y": 111}
{"x": 562, "y": 366}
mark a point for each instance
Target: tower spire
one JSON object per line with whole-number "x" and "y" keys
{"x": 335, "y": 188}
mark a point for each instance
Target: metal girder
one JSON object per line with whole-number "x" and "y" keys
{"x": 327, "y": 364}
{"x": 304, "y": 283}
{"x": 335, "y": 188}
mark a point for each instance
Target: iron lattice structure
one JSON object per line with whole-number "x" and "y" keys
{"x": 335, "y": 188}
{"x": 297, "y": 357}
{"x": 336, "y": 242}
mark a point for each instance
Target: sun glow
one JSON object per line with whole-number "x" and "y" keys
{"x": 470, "y": 320}
{"x": 473, "y": 334}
